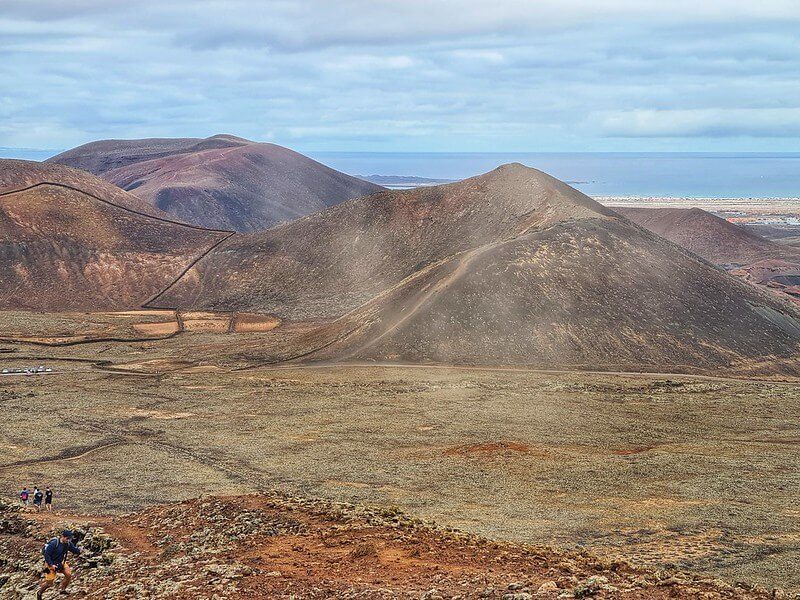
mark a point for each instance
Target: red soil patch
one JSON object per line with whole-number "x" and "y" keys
{"x": 254, "y": 323}
{"x": 157, "y": 329}
{"x": 483, "y": 448}
{"x": 638, "y": 450}
{"x": 274, "y": 546}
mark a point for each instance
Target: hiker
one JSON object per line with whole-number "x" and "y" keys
{"x": 48, "y": 499}
{"x": 38, "y": 496}
{"x": 55, "y": 559}
{"x": 23, "y": 497}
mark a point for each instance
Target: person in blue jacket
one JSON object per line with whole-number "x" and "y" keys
{"x": 55, "y": 557}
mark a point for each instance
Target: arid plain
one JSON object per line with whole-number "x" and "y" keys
{"x": 688, "y": 471}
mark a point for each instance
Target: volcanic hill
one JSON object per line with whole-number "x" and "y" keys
{"x": 744, "y": 253}
{"x": 220, "y": 182}
{"x": 71, "y": 241}
{"x": 105, "y": 155}
{"x": 709, "y": 236}
{"x": 511, "y": 267}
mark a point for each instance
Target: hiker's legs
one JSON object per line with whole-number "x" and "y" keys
{"x": 49, "y": 579}
{"x": 67, "y": 576}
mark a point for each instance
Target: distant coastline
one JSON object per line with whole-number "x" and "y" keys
{"x": 767, "y": 205}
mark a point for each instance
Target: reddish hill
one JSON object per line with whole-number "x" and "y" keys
{"x": 105, "y": 155}
{"x": 71, "y": 241}
{"x": 512, "y": 267}
{"x": 20, "y": 174}
{"x": 222, "y": 182}
{"x": 712, "y": 237}
{"x": 726, "y": 245}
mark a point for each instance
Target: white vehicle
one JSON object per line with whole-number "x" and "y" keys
{"x": 5, "y": 371}
{"x": 48, "y": 370}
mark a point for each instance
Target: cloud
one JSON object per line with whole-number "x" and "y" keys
{"x": 295, "y": 25}
{"x": 770, "y": 122}
{"x": 417, "y": 75}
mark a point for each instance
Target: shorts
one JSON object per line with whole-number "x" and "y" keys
{"x": 50, "y": 574}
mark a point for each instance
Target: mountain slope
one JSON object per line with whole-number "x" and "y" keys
{"x": 747, "y": 255}
{"x": 512, "y": 267}
{"x": 70, "y": 241}
{"x": 222, "y": 181}
{"x": 712, "y": 237}
{"x": 20, "y": 174}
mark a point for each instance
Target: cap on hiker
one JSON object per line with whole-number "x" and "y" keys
{"x": 67, "y": 534}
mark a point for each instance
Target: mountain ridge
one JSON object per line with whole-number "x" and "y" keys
{"x": 221, "y": 182}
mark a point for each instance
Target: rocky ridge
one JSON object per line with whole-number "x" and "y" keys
{"x": 278, "y": 546}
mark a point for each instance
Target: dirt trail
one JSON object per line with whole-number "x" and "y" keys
{"x": 453, "y": 367}
{"x": 440, "y": 286}
{"x": 69, "y": 454}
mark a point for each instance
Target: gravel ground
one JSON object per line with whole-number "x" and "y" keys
{"x": 695, "y": 473}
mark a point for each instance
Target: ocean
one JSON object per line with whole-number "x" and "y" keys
{"x": 691, "y": 174}
{"x": 697, "y": 175}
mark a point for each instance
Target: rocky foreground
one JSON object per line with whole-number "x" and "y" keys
{"x": 275, "y": 546}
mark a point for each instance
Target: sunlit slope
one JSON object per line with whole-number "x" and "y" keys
{"x": 74, "y": 242}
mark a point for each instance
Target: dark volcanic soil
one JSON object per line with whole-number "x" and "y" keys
{"x": 709, "y": 236}
{"x": 746, "y": 254}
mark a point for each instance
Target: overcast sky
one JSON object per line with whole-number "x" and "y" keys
{"x": 406, "y": 75}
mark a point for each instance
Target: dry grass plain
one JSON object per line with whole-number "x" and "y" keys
{"x": 696, "y": 472}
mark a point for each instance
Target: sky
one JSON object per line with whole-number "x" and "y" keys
{"x": 406, "y": 76}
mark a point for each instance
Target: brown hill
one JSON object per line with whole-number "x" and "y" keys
{"x": 707, "y": 235}
{"x": 105, "y": 155}
{"x": 727, "y": 245}
{"x": 221, "y": 182}
{"x": 71, "y": 241}
{"x": 20, "y": 174}
{"x": 512, "y": 267}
